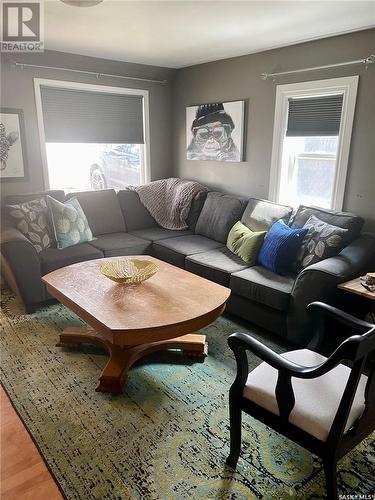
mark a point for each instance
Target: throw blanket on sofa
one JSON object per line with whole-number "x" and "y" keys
{"x": 169, "y": 200}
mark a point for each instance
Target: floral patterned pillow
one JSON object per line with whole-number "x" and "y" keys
{"x": 31, "y": 218}
{"x": 321, "y": 241}
{"x": 69, "y": 222}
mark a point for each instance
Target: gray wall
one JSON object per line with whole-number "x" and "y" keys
{"x": 17, "y": 91}
{"x": 239, "y": 78}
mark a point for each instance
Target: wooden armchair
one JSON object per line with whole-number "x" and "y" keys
{"x": 317, "y": 402}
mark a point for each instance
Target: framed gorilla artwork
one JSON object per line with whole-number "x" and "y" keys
{"x": 12, "y": 145}
{"x": 215, "y": 131}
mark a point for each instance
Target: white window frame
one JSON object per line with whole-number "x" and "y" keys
{"x": 62, "y": 84}
{"x": 346, "y": 86}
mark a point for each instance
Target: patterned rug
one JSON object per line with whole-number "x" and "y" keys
{"x": 167, "y": 436}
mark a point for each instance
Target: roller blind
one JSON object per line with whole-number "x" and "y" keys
{"x": 314, "y": 116}
{"x": 95, "y": 117}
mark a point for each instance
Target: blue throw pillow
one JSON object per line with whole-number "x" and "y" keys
{"x": 280, "y": 247}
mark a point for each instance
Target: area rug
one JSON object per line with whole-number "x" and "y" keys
{"x": 167, "y": 436}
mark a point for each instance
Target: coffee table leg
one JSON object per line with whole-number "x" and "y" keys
{"x": 114, "y": 377}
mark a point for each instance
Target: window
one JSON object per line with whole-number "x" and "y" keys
{"x": 312, "y": 130}
{"x": 92, "y": 137}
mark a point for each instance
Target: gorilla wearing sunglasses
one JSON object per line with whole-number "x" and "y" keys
{"x": 212, "y": 135}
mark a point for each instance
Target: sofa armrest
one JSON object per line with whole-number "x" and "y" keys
{"x": 319, "y": 281}
{"x": 21, "y": 266}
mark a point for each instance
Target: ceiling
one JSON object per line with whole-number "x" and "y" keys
{"x": 182, "y": 33}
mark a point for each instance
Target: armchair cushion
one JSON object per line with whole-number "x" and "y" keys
{"x": 317, "y": 400}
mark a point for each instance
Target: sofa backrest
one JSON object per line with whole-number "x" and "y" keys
{"x": 259, "y": 215}
{"x": 196, "y": 209}
{"x": 353, "y": 223}
{"x": 135, "y": 214}
{"x": 102, "y": 210}
{"x": 219, "y": 214}
{"x": 15, "y": 199}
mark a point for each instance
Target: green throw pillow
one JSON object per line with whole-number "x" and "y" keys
{"x": 69, "y": 222}
{"x": 245, "y": 243}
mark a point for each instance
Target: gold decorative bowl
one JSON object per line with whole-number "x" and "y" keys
{"x": 129, "y": 271}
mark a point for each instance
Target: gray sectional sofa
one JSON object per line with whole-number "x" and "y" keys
{"x": 122, "y": 226}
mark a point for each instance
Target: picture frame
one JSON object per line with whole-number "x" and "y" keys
{"x": 13, "y": 160}
{"x": 215, "y": 131}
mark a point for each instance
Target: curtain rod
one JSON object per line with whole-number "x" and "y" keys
{"x": 97, "y": 74}
{"x": 367, "y": 61}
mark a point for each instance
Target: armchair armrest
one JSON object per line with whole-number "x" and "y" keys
{"x": 319, "y": 281}
{"x": 319, "y": 312}
{"x": 21, "y": 265}
{"x": 243, "y": 341}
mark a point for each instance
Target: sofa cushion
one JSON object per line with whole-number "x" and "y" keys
{"x": 52, "y": 258}
{"x": 174, "y": 250}
{"x": 259, "y": 215}
{"x": 158, "y": 233}
{"x": 215, "y": 265}
{"x": 14, "y": 199}
{"x": 312, "y": 413}
{"x": 116, "y": 244}
{"x": 102, "y": 210}
{"x": 195, "y": 210}
{"x": 219, "y": 213}
{"x": 344, "y": 220}
{"x": 135, "y": 214}
{"x": 261, "y": 285}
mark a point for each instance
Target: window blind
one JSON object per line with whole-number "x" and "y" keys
{"x": 314, "y": 116}
{"x": 94, "y": 117}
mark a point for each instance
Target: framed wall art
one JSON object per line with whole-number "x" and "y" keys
{"x": 12, "y": 145}
{"x": 215, "y": 132}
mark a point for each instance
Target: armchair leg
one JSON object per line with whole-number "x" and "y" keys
{"x": 331, "y": 478}
{"x": 235, "y": 433}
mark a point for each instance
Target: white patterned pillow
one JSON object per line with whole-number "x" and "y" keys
{"x": 322, "y": 240}
{"x": 69, "y": 222}
{"x": 31, "y": 218}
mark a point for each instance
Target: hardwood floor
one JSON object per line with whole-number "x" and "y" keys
{"x": 24, "y": 475}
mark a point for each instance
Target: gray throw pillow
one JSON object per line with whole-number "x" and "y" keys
{"x": 322, "y": 240}
{"x": 31, "y": 219}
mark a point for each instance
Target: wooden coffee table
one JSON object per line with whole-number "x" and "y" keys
{"x": 130, "y": 321}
